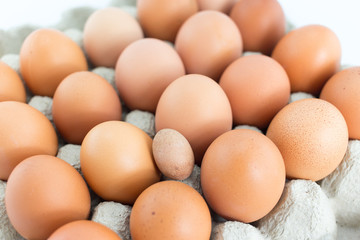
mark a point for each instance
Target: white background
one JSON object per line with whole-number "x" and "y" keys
{"x": 342, "y": 16}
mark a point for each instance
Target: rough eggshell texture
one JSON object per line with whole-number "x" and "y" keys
{"x": 11, "y": 86}
{"x": 218, "y": 5}
{"x": 208, "y": 42}
{"x": 83, "y": 100}
{"x": 173, "y": 154}
{"x": 107, "y": 32}
{"x": 240, "y": 169}
{"x": 170, "y": 210}
{"x": 310, "y": 55}
{"x": 160, "y": 64}
{"x": 47, "y": 56}
{"x": 24, "y": 132}
{"x": 343, "y": 90}
{"x": 198, "y": 108}
{"x": 312, "y": 136}
{"x": 43, "y": 193}
{"x": 117, "y": 162}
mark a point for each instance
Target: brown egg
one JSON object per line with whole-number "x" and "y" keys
{"x": 84, "y": 230}
{"x": 257, "y": 87}
{"x": 24, "y": 132}
{"x": 208, "y": 42}
{"x": 43, "y": 193}
{"x": 198, "y": 108}
{"x": 83, "y": 100}
{"x": 343, "y": 90}
{"x": 117, "y": 162}
{"x": 162, "y": 18}
{"x": 107, "y": 32}
{"x": 218, "y": 5}
{"x": 261, "y": 23}
{"x": 173, "y": 154}
{"x": 11, "y": 86}
{"x": 310, "y": 55}
{"x": 160, "y": 64}
{"x": 170, "y": 210}
{"x": 242, "y": 175}
{"x": 47, "y": 56}
{"x": 312, "y": 137}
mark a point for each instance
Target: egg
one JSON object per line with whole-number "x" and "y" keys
{"x": 343, "y": 91}
{"x": 218, "y": 5}
{"x": 310, "y": 55}
{"x": 42, "y": 194}
{"x": 312, "y": 137}
{"x": 81, "y": 101}
{"x": 162, "y": 18}
{"x": 198, "y": 108}
{"x": 160, "y": 64}
{"x": 11, "y": 86}
{"x": 208, "y": 42}
{"x": 107, "y": 32}
{"x": 83, "y": 230}
{"x": 257, "y": 87}
{"x": 47, "y": 56}
{"x": 170, "y": 210}
{"x": 24, "y": 132}
{"x": 117, "y": 162}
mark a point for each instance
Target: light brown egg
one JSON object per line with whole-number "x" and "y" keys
{"x": 43, "y": 193}
{"x": 257, "y": 87}
{"x": 107, "y": 32}
{"x": 24, "y": 132}
{"x": 343, "y": 90}
{"x": 312, "y": 137}
{"x": 170, "y": 210}
{"x": 84, "y": 230}
{"x": 208, "y": 42}
{"x": 11, "y": 86}
{"x": 218, "y": 5}
{"x": 242, "y": 175}
{"x": 310, "y": 55}
{"x": 261, "y": 23}
{"x": 83, "y": 100}
{"x": 117, "y": 162}
{"x": 162, "y": 18}
{"x": 198, "y": 108}
{"x": 160, "y": 64}
{"x": 47, "y": 56}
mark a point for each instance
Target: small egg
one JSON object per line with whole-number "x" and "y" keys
{"x": 173, "y": 154}
{"x": 11, "y": 86}
{"x": 107, "y": 32}
{"x": 117, "y": 161}
{"x": 170, "y": 210}
{"x": 242, "y": 175}
{"x": 81, "y": 101}
{"x": 47, "y": 56}
{"x": 43, "y": 193}
{"x": 312, "y": 137}
{"x": 208, "y": 42}
{"x": 217, "y": 5}
{"x": 84, "y": 230}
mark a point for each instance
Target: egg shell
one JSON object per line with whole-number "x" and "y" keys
{"x": 217, "y": 5}
{"x": 84, "y": 230}
{"x": 198, "y": 108}
{"x": 107, "y": 32}
{"x": 47, "y": 56}
{"x": 160, "y": 64}
{"x": 170, "y": 210}
{"x": 208, "y": 42}
{"x": 312, "y": 137}
{"x": 242, "y": 175}
{"x": 11, "y": 86}
{"x": 310, "y": 55}
{"x": 257, "y": 87}
{"x": 261, "y": 23}
{"x": 343, "y": 91}
{"x": 162, "y": 18}
{"x": 117, "y": 162}
{"x": 24, "y": 132}
{"x": 43, "y": 193}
